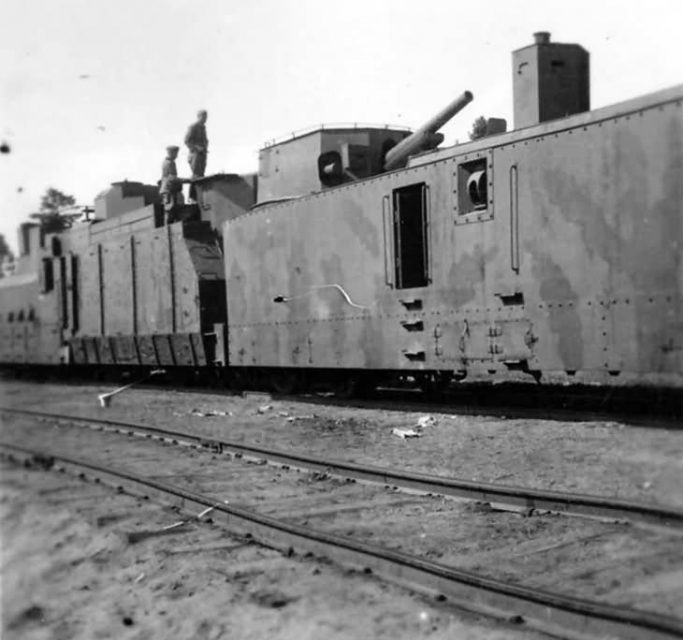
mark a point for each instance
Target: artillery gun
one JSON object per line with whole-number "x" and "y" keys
{"x": 426, "y": 137}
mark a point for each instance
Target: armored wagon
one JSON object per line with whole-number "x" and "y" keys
{"x": 551, "y": 251}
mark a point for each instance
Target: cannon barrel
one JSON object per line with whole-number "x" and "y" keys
{"x": 426, "y": 136}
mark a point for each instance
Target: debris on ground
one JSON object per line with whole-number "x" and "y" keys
{"x": 264, "y": 408}
{"x": 294, "y": 418}
{"x": 133, "y": 537}
{"x": 272, "y": 599}
{"x": 415, "y": 432}
{"x": 177, "y": 527}
{"x": 106, "y": 398}
{"x": 319, "y": 476}
{"x": 426, "y": 421}
{"x": 210, "y": 413}
{"x": 406, "y": 433}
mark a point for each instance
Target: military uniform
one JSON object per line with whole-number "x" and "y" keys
{"x": 170, "y": 187}
{"x": 198, "y": 144}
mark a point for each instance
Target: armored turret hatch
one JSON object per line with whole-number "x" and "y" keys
{"x": 322, "y": 158}
{"x": 550, "y": 80}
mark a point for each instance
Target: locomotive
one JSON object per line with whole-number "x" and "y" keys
{"x": 550, "y": 253}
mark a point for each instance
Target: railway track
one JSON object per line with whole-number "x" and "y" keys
{"x": 195, "y": 580}
{"x": 283, "y": 516}
{"x": 498, "y": 495}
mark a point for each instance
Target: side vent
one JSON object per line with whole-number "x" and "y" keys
{"x": 511, "y": 299}
{"x": 412, "y": 304}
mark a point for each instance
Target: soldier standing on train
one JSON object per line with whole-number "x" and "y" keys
{"x": 170, "y": 186}
{"x": 198, "y": 146}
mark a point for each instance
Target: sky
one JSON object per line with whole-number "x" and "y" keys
{"x": 91, "y": 92}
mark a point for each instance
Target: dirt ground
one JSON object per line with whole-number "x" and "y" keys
{"x": 70, "y": 570}
{"x": 606, "y": 458}
{"x": 583, "y": 557}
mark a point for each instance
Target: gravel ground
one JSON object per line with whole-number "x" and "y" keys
{"x": 605, "y": 458}
{"x": 69, "y": 571}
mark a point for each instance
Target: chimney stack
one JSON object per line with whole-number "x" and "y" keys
{"x": 550, "y": 80}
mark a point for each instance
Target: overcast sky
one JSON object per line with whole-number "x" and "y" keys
{"x": 93, "y": 91}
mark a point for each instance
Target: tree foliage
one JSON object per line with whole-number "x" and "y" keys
{"x": 5, "y": 254}
{"x": 478, "y": 128}
{"x": 54, "y": 200}
{"x": 5, "y": 251}
{"x": 52, "y": 216}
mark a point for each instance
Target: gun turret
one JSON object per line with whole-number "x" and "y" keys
{"x": 426, "y": 137}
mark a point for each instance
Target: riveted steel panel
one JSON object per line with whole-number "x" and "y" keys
{"x": 105, "y": 351}
{"x": 91, "y": 350}
{"x": 183, "y": 352}
{"x": 577, "y": 274}
{"x": 90, "y": 292}
{"x": 600, "y": 236}
{"x": 147, "y": 351}
{"x": 78, "y": 351}
{"x": 328, "y": 256}
{"x": 119, "y": 303}
{"x": 161, "y": 284}
{"x": 164, "y": 349}
{"x": 125, "y": 350}
{"x": 199, "y": 351}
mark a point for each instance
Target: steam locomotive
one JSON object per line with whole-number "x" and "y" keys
{"x": 550, "y": 253}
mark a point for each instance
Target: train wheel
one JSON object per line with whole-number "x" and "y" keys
{"x": 345, "y": 387}
{"x": 435, "y": 382}
{"x": 237, "y": 381}
{"x": 354, "y": 386}
{"x": 284, "y": 383}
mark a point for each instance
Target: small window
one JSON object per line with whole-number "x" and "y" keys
{"x": 10, "y": 316}
{"x": 31, "y": 314}
{"x": 20, "y": 317}
{"x": 472, "y": 186}
{"x": 411, "y": 251}
{"x": 48, "y": 275}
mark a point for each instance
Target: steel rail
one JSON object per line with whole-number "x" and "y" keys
{"x": 497, "y": 494}
{"x": 552, "y": 612}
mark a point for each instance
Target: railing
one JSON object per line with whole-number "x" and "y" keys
{"x": 333, "y": 125}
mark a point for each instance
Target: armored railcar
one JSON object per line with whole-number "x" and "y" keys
{"x": 124, "y": 289}
{"x": 550, "y": 252}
